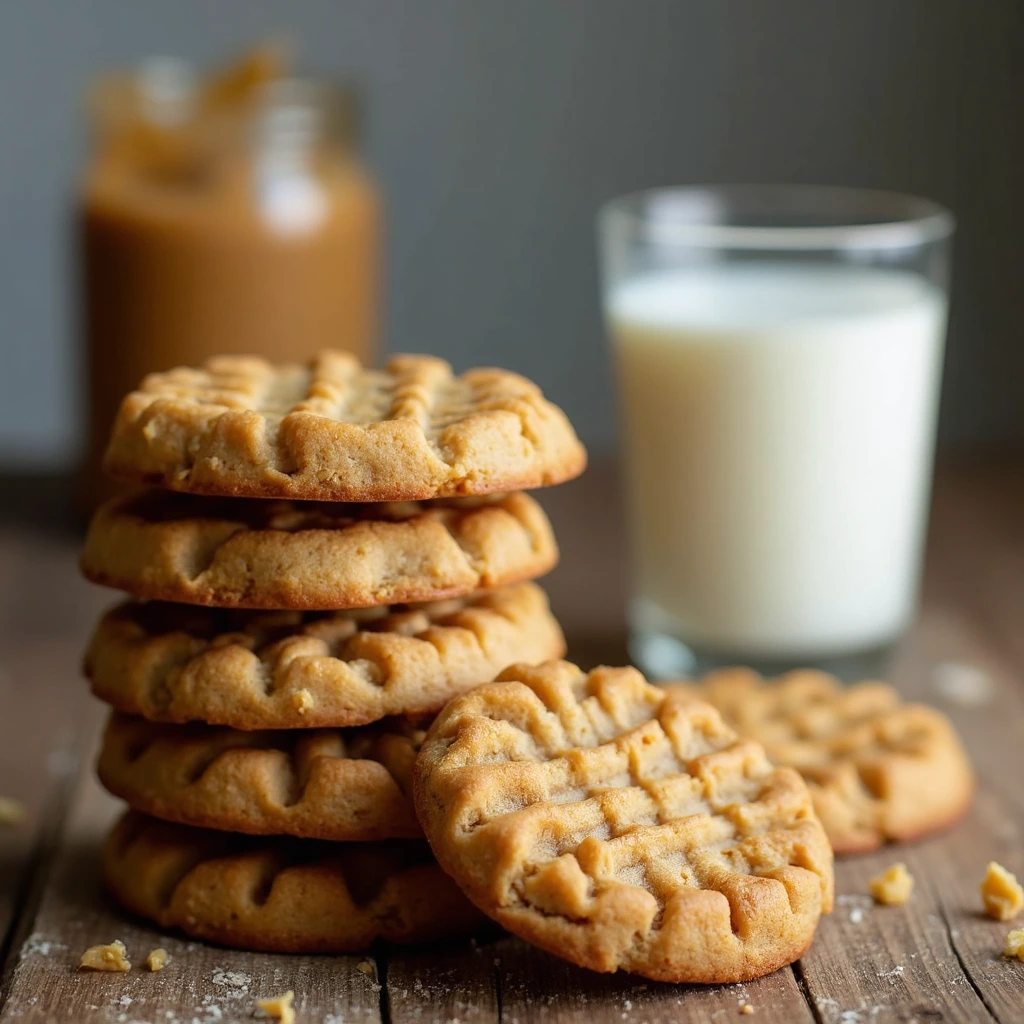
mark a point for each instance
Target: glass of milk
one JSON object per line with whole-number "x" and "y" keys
{"x": 778, "y": 353}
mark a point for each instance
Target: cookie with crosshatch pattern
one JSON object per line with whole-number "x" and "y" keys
{"x": 282, "y": 895}
{"x": 878, "y": 770}
{"x": 346, "y": 785}
{"x": 336, "y": 431}
{"x": 622, "y": 826}
{"x": 304, "y": 670}
{"x": 245, "y": 553}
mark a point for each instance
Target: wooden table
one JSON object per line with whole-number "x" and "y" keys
{"x": 936, "y": 959}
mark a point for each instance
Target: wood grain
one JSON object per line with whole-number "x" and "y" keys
{"x": 201, "y": 983}
{"x": 935, "y": 959}
{"x": 46, "y": 611}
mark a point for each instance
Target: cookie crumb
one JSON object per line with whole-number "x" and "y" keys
{"x": 280, "y": 1007}
{"x": 1001, "y": 893}
{"x": 113, "y": 957}
{"x": 893, "y": 886}
{"x": 11, "y": 812}
{"x": 158, "y": 959}
{"x": 746, "y": 1009}
{"x": 1015, "y": 944}
{"x": 366, "y": 967}
{"x": 303, "y": 701}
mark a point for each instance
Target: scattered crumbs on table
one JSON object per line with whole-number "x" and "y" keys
{"x": 893, "y": 886}
{"x": 110, "y": 957}
{"x": 158, "y": 959}
{"x": 1001, "y": 894}
{"x": 279, "y": 1007}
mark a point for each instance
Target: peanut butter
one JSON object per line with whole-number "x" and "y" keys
{"x": 226, "y": 218}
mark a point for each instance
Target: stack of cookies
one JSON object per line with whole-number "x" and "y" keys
{"x": 329, "y": 555}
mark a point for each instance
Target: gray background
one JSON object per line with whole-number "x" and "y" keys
{"x": 498, "y": 126}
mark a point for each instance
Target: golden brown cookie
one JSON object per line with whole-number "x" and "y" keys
{"x": 622, "y": 827}
{"x": 334, "y": 431}
{"x": 348, "y": 785}
{"x": 282, "y": 895}
{"x": 306, "y": 670}
{"x": 879, "y": 770}
{"x": 234, "y": 553}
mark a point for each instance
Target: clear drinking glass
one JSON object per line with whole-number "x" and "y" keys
{"x": 778, "y": 352}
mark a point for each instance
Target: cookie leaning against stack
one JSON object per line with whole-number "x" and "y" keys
{"x": 623, "y": 826}
{"x": 347, "y": 552}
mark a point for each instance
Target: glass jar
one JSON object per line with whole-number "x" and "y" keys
{"x": 232, "y": 216}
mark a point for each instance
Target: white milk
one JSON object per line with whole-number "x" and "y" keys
{"x": 779, "y": 423}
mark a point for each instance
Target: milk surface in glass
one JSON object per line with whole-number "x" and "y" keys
{"x": 778, "y": 427}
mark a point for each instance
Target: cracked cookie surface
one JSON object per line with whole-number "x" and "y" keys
{"x": 235, "y": 553}
{"x": 305, "y": 670}
{"x": 343, "y": 785}
{"x": 879, "y": 770}
{"x": 621, "y": 826}
{"x": 336, "y": 431}
{"x": 282, "y": 895}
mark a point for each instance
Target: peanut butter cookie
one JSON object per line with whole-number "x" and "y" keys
{"x": 295, "y": 670}
{"x": 335, "y": 431}
{"x": 282, "y": 895}
{"x": 623, "y": 827}
{"x": 879, "y": 770}
{"x": 351, "y": 785}
{"x": 234, "y": 553}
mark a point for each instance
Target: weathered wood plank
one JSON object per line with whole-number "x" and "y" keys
{"x": 45, "y": 613}
{"x": 448, "y": 982}
{"x": 951, "y": 661}
{"x": 987, "y": 705}
{"x": 35, "y": 760}
{"x": 930, "y": 958}
{"x": 947, "y": 950}
{"x": 536, "y": 988}
{"x": 952, "y": 873}
{"x": 874, "y": 963}
{"x": 201, "y": 985}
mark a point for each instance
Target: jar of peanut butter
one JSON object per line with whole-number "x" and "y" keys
{"x": 231, "y": 215}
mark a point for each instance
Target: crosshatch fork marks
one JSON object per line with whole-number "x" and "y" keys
{"x": 338, "y": 432}
{"x": 617, "y": 879}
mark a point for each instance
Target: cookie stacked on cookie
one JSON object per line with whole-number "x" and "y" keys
{"x": 329, "y": 554}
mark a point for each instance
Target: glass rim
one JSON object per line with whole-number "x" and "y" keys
{"x": 911, "y": 220}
